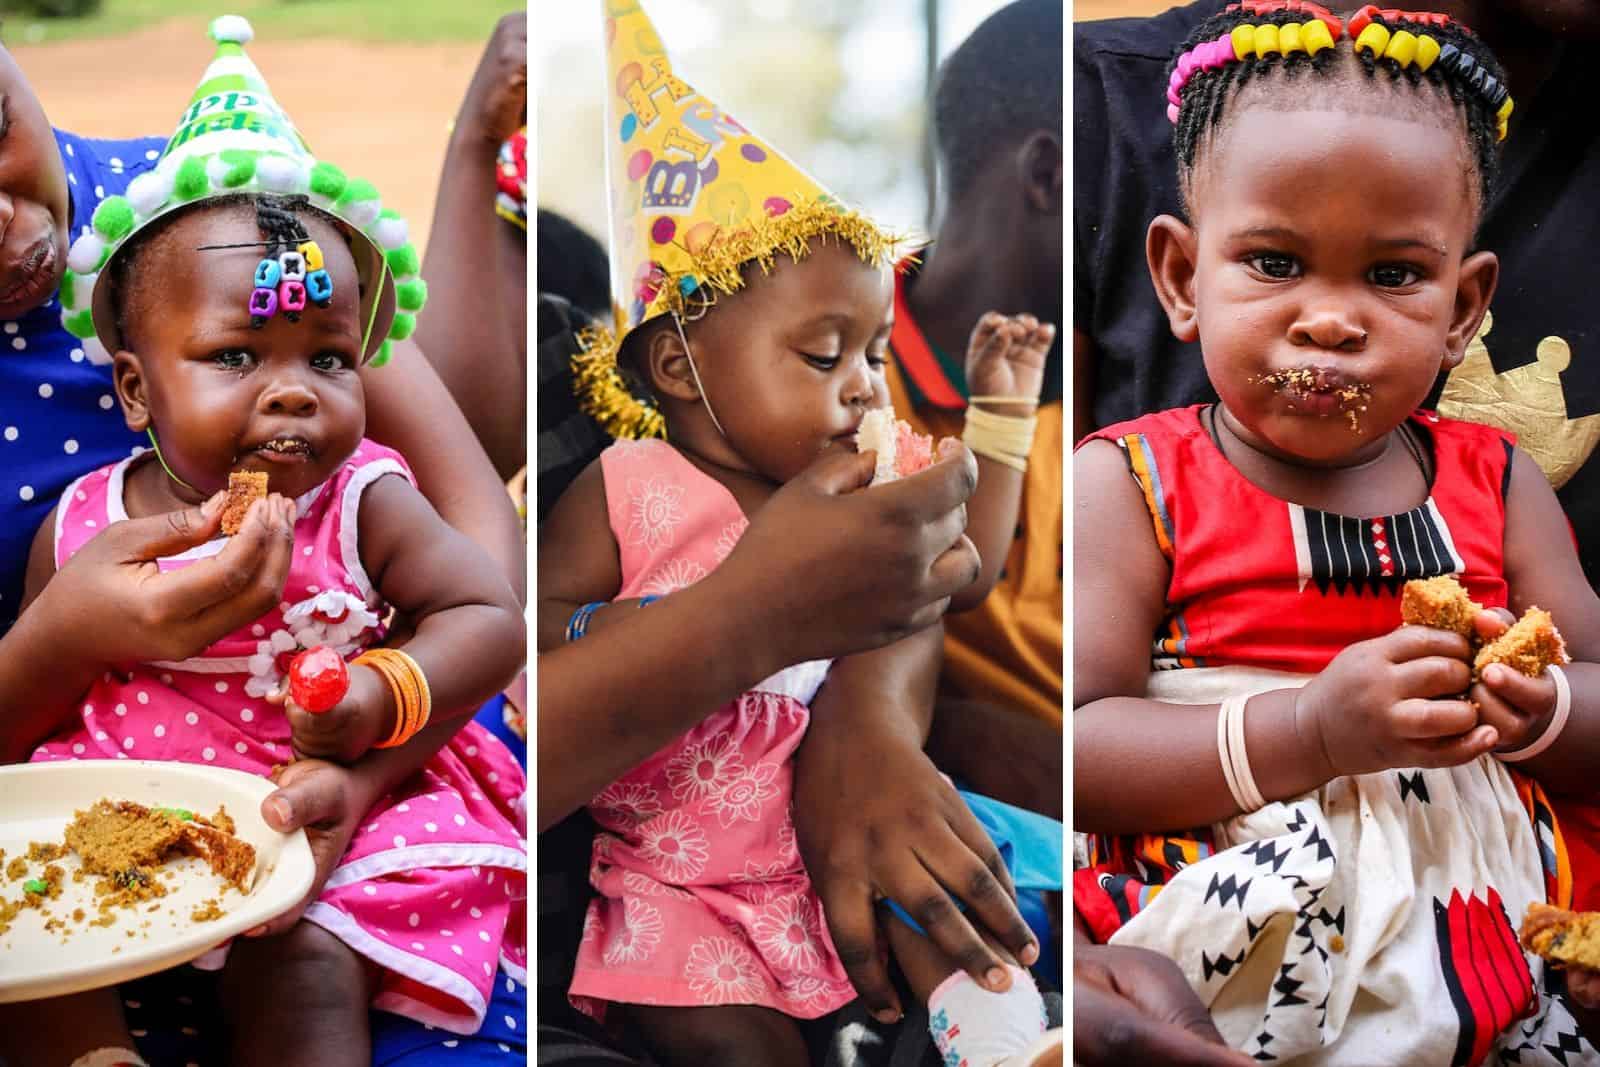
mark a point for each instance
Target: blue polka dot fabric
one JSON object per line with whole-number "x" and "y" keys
{"x": 58, "y": 416}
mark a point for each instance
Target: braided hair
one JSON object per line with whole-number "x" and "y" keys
{"x": 1472, "y": 82}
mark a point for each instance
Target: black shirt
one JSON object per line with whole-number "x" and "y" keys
{"x": 1535, "y": 369}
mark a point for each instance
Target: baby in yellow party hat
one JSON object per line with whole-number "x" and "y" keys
{"x": 756, "y": 309}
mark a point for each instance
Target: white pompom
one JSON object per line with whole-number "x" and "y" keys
{"x": 390, "y": 233}
{"x": 82, "y": 288}
{"x": 149, "y": 191}
{"x": 95, "y": 352}
{"x": 234, "y": 28}
{"x": 281, "y": 174}
{"x": 362, "y": 213}
{"x": 217, "y": 169}
{"x": 84, "y": 258}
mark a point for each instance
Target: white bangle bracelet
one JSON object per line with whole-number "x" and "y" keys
{"x": 1558, "y": 721}
{"x": 1234, "y": 756}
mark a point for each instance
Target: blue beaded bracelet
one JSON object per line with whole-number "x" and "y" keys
{"x": 651, "y": 599}
{"x": 578, "y": 624}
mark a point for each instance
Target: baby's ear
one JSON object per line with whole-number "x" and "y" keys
{"x": 1475, "y": 285}
{"x": 666, "y": 366}
{"x": 127, "y": 376}
{"x": 1171, "y": 247}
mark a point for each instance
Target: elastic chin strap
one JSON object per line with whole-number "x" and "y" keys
{"x": 697, "y": 384}
{"x": 155, "y": 445}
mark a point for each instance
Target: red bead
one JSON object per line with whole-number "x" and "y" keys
{"x": 1361, "y": 19}
{"x": 318, "y": 679}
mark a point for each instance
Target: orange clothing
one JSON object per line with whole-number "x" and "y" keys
{"x": 1008, "y": 650}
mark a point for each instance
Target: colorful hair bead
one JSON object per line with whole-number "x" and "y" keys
{"x": 292, "y": 296}
{"x": 1244, "y": 41}
{"x": 1374, "y": 38}
{"x": 1266, "y": 42}
{"x": 1317, "y": 37}
{"x": 312, "y": 253}
{"x": 1359, "y": 22}
{"x": 1427, "y": 52}
{"x": 1449, "y": 57}
{"x": 1289, "y": 38}
{"x": 1505, "y": 110}
{"x": 1402, "y": 48}
{"x": 263, "y": 305}
{"x": 268, "y": 274}
{"x": 294, "y": 266}
{"x": 319, "y": 287}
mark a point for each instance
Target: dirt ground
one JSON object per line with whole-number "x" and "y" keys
{"x": 380, "y": 111}
{"x": 1110, "y": 9}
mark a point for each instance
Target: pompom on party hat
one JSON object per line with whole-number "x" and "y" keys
{"x": 694, "y": 196}
{"x": 234, "y": 138}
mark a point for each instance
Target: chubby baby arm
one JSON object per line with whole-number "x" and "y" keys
{"x": 469, "y": 639}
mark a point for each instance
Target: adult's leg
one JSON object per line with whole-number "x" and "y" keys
{"x": 298, "y": 998}
{"x": 729, "y": 1035}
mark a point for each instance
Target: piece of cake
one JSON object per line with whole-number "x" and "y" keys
{"x": 244, "y": 489}
{"x": 1562, "y": 936}
{"x": 900, "y": 449}
{"x": 1529, "y": 646}
{"x": 128, "y": 842}
{"x": 1441, "y": 603}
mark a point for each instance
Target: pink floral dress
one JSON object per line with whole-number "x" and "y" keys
{"x": 434, "y": 886}
{"x": 702, "y": 895}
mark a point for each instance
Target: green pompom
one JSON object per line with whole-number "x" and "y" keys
{"x": 402, "y": 327}
{"x": 404, "y": 261}
{"x": 410, "y": 296}
{"x": 328, "y": 180}
{"x": 113, "y": 219}
{"x": 191, "y": 182}
{"x": 69, "y": 289}
{"x": 382, "y": 356}
{"x": 388, "y": 212}
{"x": 241, "y": 167}
{"x": 80, "y": 325}
{"x": 357, "y": 190}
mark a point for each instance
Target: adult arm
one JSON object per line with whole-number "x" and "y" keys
{"x": 410, "y": 410}
{"x": 475, "y": 328}
{"x": 111, "y": 605}
{"x": 875, "y": 818}
{"x": 823, "y": 571}
{"x": 1132, "y": 1005}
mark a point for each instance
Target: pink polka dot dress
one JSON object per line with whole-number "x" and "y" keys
{"x": 702, "y": 895}
{"x": 434, "y": 886}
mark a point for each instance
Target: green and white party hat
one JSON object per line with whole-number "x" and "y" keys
{"x": 234, "y": 138}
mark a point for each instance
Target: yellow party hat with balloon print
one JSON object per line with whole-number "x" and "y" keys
{"x": 694, "y": 196}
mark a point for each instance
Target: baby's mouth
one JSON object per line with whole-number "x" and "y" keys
{"x": 1317, "y": 381}
{"x": 285, "y": 449}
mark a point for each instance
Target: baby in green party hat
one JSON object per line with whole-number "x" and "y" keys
{"x": 236, "y": 291}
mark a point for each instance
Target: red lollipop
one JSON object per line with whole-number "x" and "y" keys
{"x": 318, "y": 679}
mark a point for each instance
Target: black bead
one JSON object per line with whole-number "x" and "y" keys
{"x": 1449, "y": 56}
{"x": 1466, "y": 65}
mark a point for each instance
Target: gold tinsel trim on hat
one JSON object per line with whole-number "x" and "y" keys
{"x": 598, "y": 383}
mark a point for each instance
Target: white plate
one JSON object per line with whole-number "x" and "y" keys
{"x": 37, "y": 801}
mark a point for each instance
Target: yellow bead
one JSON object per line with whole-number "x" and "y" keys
{"x": 1504, "y": 112}
{"x": 1501, "y": 130}
{"x": 1289, "y": 39}
{"x": 1375, "y": 37}
{"x": 1244, "y": 41}
{"x": 1316, "y": 36}
{"x": 313, "y": 255}
{"x": 1402, "y": 48}
{"x": 1427, "y": 52}
{"x": 1266, "y": 40}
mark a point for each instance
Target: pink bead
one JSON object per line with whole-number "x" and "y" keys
{"x": 1177, "y": 80}
{"x": 1172, "y": 114}
{"x": 1173, "y": 98}
{"x": 1186, "y": 64}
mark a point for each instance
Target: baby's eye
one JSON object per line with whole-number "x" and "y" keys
{"x": 1394, "y": 276}
{"x": 1275, "y": 265}
{"x": 327, "y": 361}
{"x": 877, "y": 359}
{"x": 232, "y": 358}
{"x": 821, "y": 362}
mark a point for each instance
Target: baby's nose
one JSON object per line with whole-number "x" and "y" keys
{"x": 289, "y": 398}
{"x": 1329, "y": 328}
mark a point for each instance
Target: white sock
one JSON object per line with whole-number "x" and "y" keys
{"x": 974, "y": 1027}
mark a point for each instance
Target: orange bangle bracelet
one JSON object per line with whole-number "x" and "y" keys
{"x": 413, "y": 699}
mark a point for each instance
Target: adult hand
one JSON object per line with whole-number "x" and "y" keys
{"x": 863, "y": 840}
{"x": 112, "y": 597}
{"x": 496, "y": 104}
{"x": 327, "y": 801}
{"x": 1131, "y": 1005}
{"x": 857, "y": 568}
